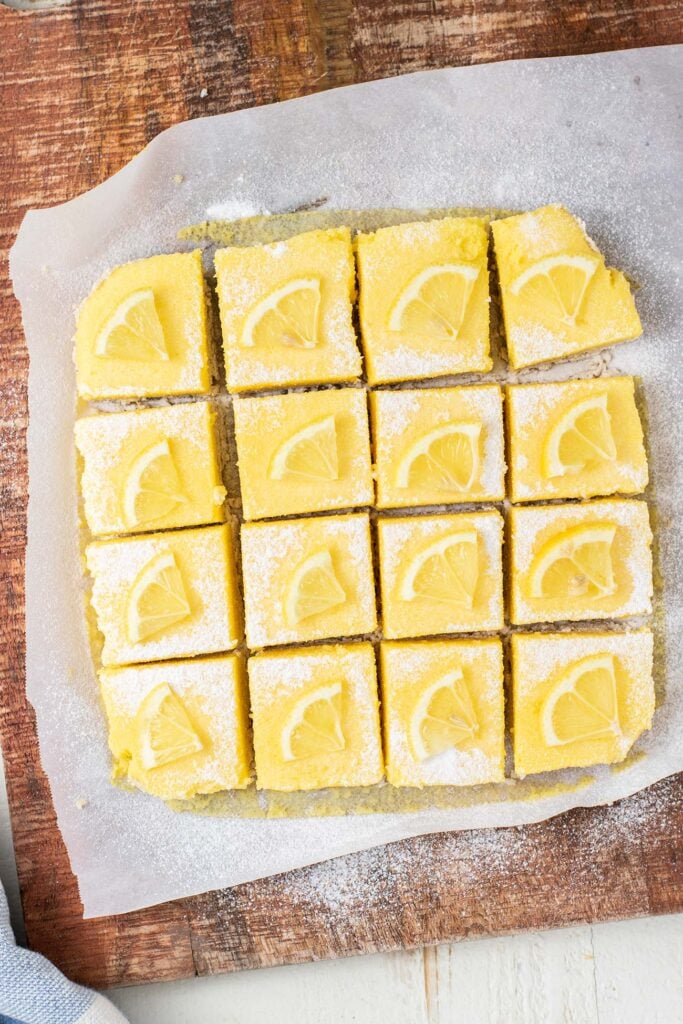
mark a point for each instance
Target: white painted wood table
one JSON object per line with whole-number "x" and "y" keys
{"x": 625, "y": 973}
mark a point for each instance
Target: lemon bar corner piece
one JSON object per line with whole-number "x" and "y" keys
{"x": 558, "y": 296}
{"x": 142, "y": 332}
{"x": 179, "y": 729}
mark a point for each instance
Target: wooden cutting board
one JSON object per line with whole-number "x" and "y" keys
{"x": 85, "y": 86}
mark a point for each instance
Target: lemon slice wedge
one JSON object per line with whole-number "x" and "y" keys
{"x": 311, "y": 453}
{"x": 314, "y": 726}
{"x": 581, "y": 437}
{"x": 576, "y": 563}
{"x": 446, "y": 458}
{"x": 556, "y": 286}
{"x": 288, "y": 316}
{"x": 134, "y": 331}
{"x": 164, "y": 730}
{"x": 157, "y": 599}
{"x": 444, "y": 717}
{"x": 152, "y": 487}
{"x": 583, "y": 705}
{"x": 434, "y": 303}
{"x": 446, "y": 571}
{"x": 313, "y": 589}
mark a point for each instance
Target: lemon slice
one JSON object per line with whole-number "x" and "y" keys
{"x": 288, "y": 316}
{"x": 445, "y": 571}
{"x": 444, "y": 717}
{"x": 434, "y": 303}
{"x": 580, "y": 438}
{"x": 313, "y": 589}
{"x": 157, "y": 599}
{"x": 152, "y": 487}
{"x": 446, "y": 458}
{"x": 583, "y": 705}
{"x": 311, "y": 452}
{"x": 164, "y": 730}
{"x": 576, "y": 563}
{"x": 134, "y": 331}
{"x": 314, "y": 726}
{"x": 556, "y": 286}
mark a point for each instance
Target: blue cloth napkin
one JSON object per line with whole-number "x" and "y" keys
{"x": 33, "y": 991}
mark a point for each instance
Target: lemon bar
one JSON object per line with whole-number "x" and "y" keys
{"x": 316, "y": 718}
{"x": 579, "y": 699}
{"x": 286, "y": 311}
{"x": 558, "y": 296}
{"x": 443, "y": 712}
{"x": 303, "y": 452}
{"x": 575, "y": 439}
{"x": 441, "y": 574}
{"x": 308, "y": 579}
{"x": 150, "y": 469}
{"x": 424, "y": 299}
{"x": 584, "y": 561}
{"x": 142, "y": 331}
{"x": 436, "y": 446}
{"x": 178, "y": 729}
{"x": 165, "y": 595}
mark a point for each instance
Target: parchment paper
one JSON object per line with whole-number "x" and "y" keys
{"x": 601, "y": 134}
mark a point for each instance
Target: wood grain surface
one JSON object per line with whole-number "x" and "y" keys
{"x": 83, "y": 87}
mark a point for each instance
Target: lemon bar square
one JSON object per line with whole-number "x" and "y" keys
{"x": 142, "y": 332}
{"x": 558, "y": 296}
{"x": 308, "y": 579}
{"x": 443, "y": 712}
{"x": 286, "y": 311}
{"x": 303, "y": 452}
{"x": 150, "y": 469}
{"x": 165, "y": 595}
{"x": 579, "y": 699}
{"x": 441, "y": 574}
{"x": 575, "y": 439}
{"x": 316, "y": 717}
{"x": 424, "y": 299}
{"x": 178, "y": 729}
{"x": 436, "y": 446}
{"x": 583, "y": 561}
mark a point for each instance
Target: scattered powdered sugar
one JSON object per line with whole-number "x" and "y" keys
{"x": 233, "y": 209}
{"x": 210, "y": 684}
